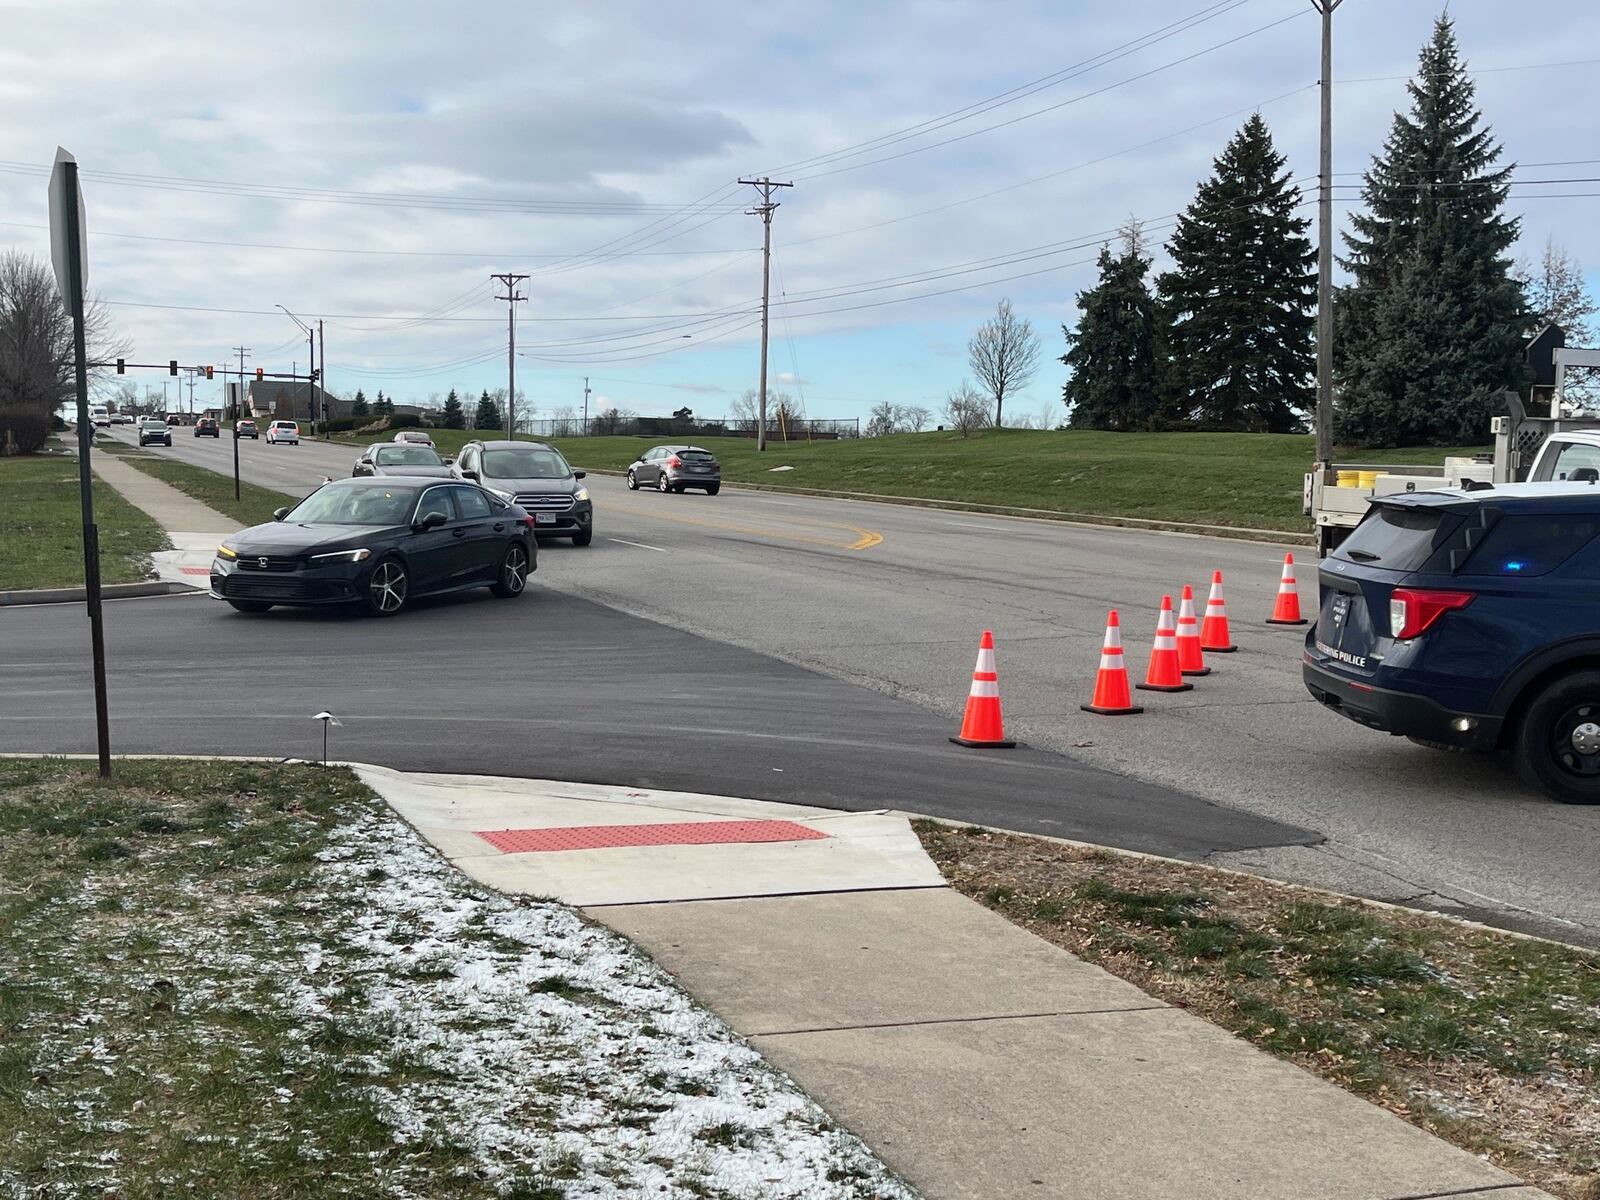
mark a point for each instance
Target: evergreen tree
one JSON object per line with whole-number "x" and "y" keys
{"x": 488, "y": 414}
{"x": 452, "y": 416}
{"x": 1115, "y": 352}
{"x": 358, "y": 406}
{"x": 1430, "y": 332}
{"x": 381, "y": 406}
{"x": 1239, "y": 296}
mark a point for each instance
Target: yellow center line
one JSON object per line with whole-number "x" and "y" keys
{"x": 865, "y": 539}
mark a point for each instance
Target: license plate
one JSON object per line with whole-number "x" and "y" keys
{"x": 544, "y": 518}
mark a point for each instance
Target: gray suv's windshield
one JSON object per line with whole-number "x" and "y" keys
{"x": 524, "y": 462}
{"x": 334, "y": 505}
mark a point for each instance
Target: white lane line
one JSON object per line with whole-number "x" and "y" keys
{"x": 637, "y": 545}
{"x": 966, "y": 525}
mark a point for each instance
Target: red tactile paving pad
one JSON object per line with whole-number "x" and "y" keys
{"x": 671, "y": 833}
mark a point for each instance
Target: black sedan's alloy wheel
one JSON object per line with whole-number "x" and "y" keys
{"x": 513, "y": 577}
{"x": 387, "y": 588}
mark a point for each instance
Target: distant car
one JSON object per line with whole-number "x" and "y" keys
{"x": 207, "y": 427}
{"x": 281, "y": 433}
{"x": 377, "y": 543}
{"x": 154, "y": 429}
{"x": 401, "y": 458}
{"x": 535, "y": 477}
{"x": 675, "y": 469}
{"x": 174, "y": 419}
{"x": 121, "y": 419}
{"x": 414, "y": 436}
{"x": 99, "y": 417}
{"x": 246, "y": 429}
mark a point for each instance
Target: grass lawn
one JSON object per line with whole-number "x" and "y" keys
{"x": 1490, "y": 1041}
{"x": 1244, "y": 480}
{"x": 254, "y": 506}
{"x": 253, "y": 980}
{"x": 41, "y": 540}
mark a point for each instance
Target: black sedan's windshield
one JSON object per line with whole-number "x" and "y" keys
{"x": 335, "y": 505}
{"x": 524, "y": 462}
{"x": 407, "y": 456}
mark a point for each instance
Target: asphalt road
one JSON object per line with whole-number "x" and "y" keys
{"x": 551, "y": 686}
{"x": 893, "y": 598}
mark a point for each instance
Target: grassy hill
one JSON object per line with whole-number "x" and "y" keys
{"x": 1244, "y": 480}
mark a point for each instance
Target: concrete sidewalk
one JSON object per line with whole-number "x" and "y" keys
{"x": 192, "y": 528}
{"x": 978, "y": 1060}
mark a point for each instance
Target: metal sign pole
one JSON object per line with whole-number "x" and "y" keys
{"x": 66, "y": 210}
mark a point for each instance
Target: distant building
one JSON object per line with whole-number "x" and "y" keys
{"x": 290, "y": 400}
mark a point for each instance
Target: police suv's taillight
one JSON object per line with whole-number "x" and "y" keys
{"x": 1412, "y": 611}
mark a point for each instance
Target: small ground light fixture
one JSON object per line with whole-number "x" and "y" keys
{"x": 327, "y": 718}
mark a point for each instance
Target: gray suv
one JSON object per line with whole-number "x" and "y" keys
{"x": 535, "y": 477}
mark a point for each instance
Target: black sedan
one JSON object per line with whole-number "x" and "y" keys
{"x": 398, "y": 458}
{"x": 377, "y": 543}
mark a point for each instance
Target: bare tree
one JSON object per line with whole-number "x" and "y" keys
{"x": 784, "y": 413}
{"x": 742, "y": 412}
{"x": 1556, "y": 294}
{"x": 912, "y": 418}
{"x": 882, "y": 420}
{"x": 36, "y": 356}
{"x": 1004, "y": 354}
{"x": 967, "y": 409}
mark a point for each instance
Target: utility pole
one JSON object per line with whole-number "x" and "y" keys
{"x": 238, "y": 411}
{"x": 1325, "y": 247}
{"x": 322, "y": 356}
{"x": 586, "y": 405}
{"x": 764, "y": 210}
{"x": 512, "y": 298}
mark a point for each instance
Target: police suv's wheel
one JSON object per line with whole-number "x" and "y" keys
{"x": 1557, "y": 747}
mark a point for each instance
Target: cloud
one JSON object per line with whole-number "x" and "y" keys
{"x": 563, "y": 141}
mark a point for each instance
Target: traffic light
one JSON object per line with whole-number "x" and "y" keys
{"x": 208, "y": 372}
{"x": 261, "y": 373}
{"x": 316, "y": 374}
{"x": 172, "y": 366}
{"x": 122, "y": 366}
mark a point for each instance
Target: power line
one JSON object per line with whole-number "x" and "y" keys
{"x": 1021, "y": 91}
{"x": 1100, "y": 91}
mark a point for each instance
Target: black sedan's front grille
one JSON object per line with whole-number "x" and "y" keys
{"x": 242, "y": 587}
{"x": 544, "y": 502}
{"x": 268, "y": 563}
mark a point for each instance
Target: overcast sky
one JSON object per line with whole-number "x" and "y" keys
{"x": 598, "y": 151}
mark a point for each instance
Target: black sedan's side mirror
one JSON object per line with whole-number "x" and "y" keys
{"x": 469, "y": 474}
{"x": 580, "y": 474}
{"x": 447, "y": 460}
{"x": 431, "y": 521}
{"x": 279, "y": 514}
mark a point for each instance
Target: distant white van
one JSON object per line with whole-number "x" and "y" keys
{"x": 99, "y": 416}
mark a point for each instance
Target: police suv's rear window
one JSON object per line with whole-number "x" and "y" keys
{"x": 1394, "y": 538}
{"x": 1531, "y": 545}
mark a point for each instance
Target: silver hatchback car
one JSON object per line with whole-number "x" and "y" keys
{"x": 676, "y": 469}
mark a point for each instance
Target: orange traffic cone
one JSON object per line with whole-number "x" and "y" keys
{"x": 982, "y": 725}
{"x": 1287, "y": 609}
{"x": 1111, "y": 696}
{"x": 1164, "y": 674}
{"x": 1214, "y": 635}
{"x": 1190, "y": 660}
